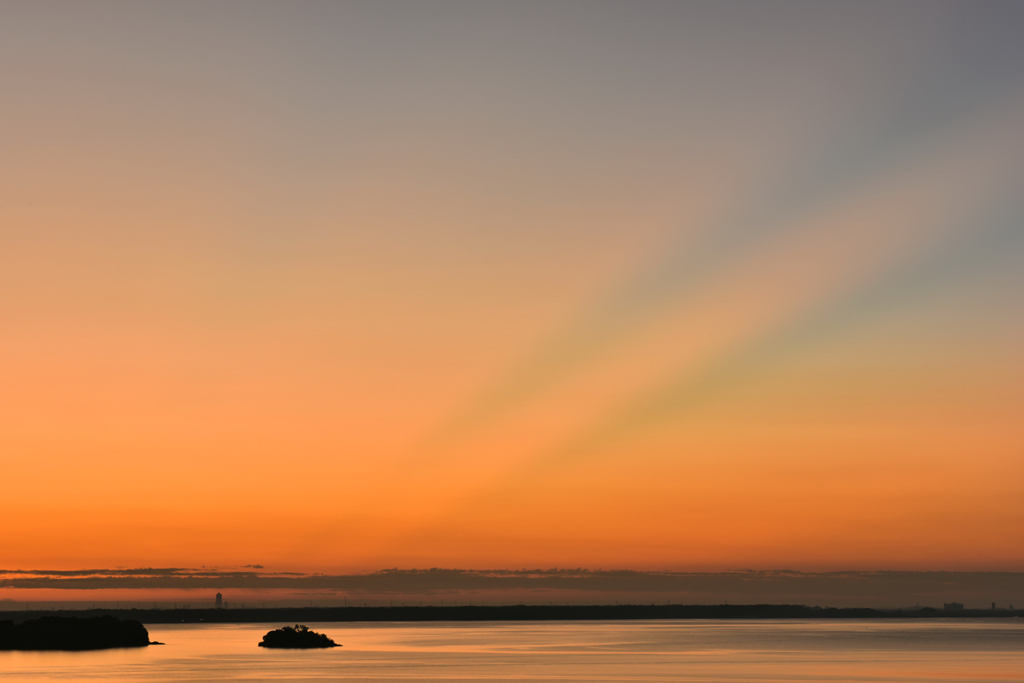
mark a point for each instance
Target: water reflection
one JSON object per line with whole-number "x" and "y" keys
{"x": 919, "y": 651}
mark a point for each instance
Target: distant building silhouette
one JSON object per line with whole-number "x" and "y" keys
{"x": 953, "y": 607}
{"x": 219, "y": 602}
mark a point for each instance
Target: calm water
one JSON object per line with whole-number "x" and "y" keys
{"x": 760, "y": 651}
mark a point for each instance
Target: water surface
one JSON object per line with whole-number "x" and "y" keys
{"x": 748, "y": 651}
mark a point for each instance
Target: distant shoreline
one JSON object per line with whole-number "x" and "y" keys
{"x": 470, "y": 613}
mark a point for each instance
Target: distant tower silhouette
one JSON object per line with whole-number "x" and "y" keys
{"x": 219, "y": 602}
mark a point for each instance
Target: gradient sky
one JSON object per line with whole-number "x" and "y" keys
{"x": 348, "y": 286}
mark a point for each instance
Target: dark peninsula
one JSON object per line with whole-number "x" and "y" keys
{"x": 297, "y": 637}
{"x": 71, "y": 633}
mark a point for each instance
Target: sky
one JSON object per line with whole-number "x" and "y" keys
{"x": 341, "y": 287}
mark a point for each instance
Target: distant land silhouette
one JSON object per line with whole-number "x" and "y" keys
{"x": 536, "y": 586}
{"x": 521, "y": 613}
{"x": 297, "y": 637}
{"x": 72, "y": 633}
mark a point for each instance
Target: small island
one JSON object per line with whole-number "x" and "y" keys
{"x": 71, "y": 633}
{"x": 297, "y": 637}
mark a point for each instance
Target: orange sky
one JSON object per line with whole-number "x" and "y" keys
{"x": 340, "y": 288}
